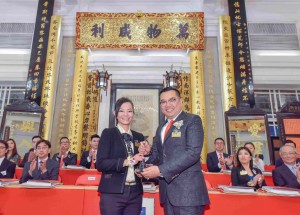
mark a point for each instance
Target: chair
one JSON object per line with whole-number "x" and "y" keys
{"x": 208, "y": 185}
{"x": 88, "y": 180}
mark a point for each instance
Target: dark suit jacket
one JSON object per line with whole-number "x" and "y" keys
{"x": 51, "y": 174}
{"x": 238, "y": 179}
{"x": 178, "y": 160}
{"x": 283, "y": 176}
{"x": 279, "y": 162}
{"x": 25, "y": 158}
{"x": 212, "y": 161}
{"x": 71, "y": 158}
{"x": 84, "y": 161}
{"x": 7, "y": 169}
{"x": 111, "y": 154}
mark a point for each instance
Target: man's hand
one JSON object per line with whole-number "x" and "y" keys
{"x": 222, "y": 161}
{"x": 151, "y": 172}
{"x": 62, "y": 151}
{"x": 298, "y": 173}
{"x": 32, "y": 167}
{"x": 144, "y": 148}
{"x": 92, "y": 153}
{"x": 229, "y": 160}
{"x": 31, "y": 156}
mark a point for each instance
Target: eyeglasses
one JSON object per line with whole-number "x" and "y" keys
{"x": 288, "y": 154}
{"x": 171, "y": 101}
{"x": 2, "y": 147}
{"x": 42, "y": 148}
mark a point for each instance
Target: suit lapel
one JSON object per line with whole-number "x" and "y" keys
{"x": 288, "y": 172}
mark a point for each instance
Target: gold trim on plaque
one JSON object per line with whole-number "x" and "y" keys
{"x": 228, "y": 80}
{"x": 198, "y": 94}
{"x": 49, "y": 82}
{"x": 78, "y": 101}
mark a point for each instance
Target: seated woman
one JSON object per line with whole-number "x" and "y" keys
{"x": 244, "y": 174}
{"x": 7, "y": 168}
{"x": 257, "y": 162}
{"x": 12, "y": 153}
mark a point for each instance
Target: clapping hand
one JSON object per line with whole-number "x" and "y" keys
{"x": 229, "y": 160}
{"x": 32, "y": 167}
{"x": 298, "y": 173}
{"x": 31, "y": 156}
{"x": 258, "y": 179}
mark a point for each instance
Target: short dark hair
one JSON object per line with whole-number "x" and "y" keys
{"x": 290, "y": 141}
{"x": 237, "y": 156}
{"x": 166, "y": 89}
{"x": 250, "y": 143}
{"x": 63, "y": 138}
{"x": 119, "y": 103}
{"x": 95, "y": 136}
{"x": 4, "y": 143}
{"x": 47, "y": 142}
{"x": 36, "y": 137}
{"x": 219, "y": 138}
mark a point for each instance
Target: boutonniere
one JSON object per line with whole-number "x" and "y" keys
{"x": 178, "y": 124}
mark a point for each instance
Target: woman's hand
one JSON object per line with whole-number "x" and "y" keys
{"x": 258, "y": 179}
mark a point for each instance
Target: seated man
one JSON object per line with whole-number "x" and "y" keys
{"x": 30, "y": 155}
{"x": 65, "y": 157}
{"x": 41, "y": 168}
{"x": 7, "y": 168}
{"x": 288, "y": 174}
{"x": 218, "y": 160}
{"x": 88, "y": 158}
{"x": 279, "y": 161}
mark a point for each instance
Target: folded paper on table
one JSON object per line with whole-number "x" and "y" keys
{"x": 40, "y": 183}
{"x": 6, "y": 182}
{"x": 235, "y": 189}
{"x": 282, "y": 191}
{"x": 74, "y": 167}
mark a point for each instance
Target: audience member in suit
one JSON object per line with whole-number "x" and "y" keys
{"x": 12, "y": 153}
{"x": 7, "y": 168}
{"x": 42, "y": 167}
{"x": 257, "y": 162}
{"x": 88, "y": 158}
{"x": 218, "y": 160}
{"x": 175, "y": 157}
{"x": 244, "y": 174}
{"x": 30, "y": 155}
{"x": 279, "y": 161}
{"x": 117, "y": 157}
{"x": 64, "y": 157}
{"x": 288, "y": 174}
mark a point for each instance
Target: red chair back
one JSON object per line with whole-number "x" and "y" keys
{"x": 88, "y": 180}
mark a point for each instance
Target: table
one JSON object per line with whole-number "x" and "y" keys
{"x": 80, "y": 200}
{"x": 69, "y": 176}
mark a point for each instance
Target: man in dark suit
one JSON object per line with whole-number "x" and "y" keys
{"x": 279, "y": 161}
{"x": 176, "y": 154}
{"x": 218, "y": 160}
{"x": 30, "y": 155}
{"x": 7, "y": 168}
{"x": 41, "y": 168}
{"x": 88, "y": 158}
{"x": 64, "y": 157}
{"x": 288, "y": 174}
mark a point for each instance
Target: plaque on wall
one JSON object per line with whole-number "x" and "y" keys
{"x": 288, "y": 120}
{"x": 21, "y": 121}
{"x": 247, "y": 124}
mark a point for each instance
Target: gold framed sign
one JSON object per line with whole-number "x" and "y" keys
{"x": 140, "y": 30}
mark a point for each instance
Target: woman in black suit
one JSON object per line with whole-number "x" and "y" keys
{"x": 244, "y": 174}
{"x": 117, "y": 156}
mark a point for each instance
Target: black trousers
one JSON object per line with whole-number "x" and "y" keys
{"x": 127, "y": 203}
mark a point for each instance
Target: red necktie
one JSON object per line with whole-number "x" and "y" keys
{"x": 168, "y": 128}
{"x": 61, "y": 161}
{"x": 223, "y": 166}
